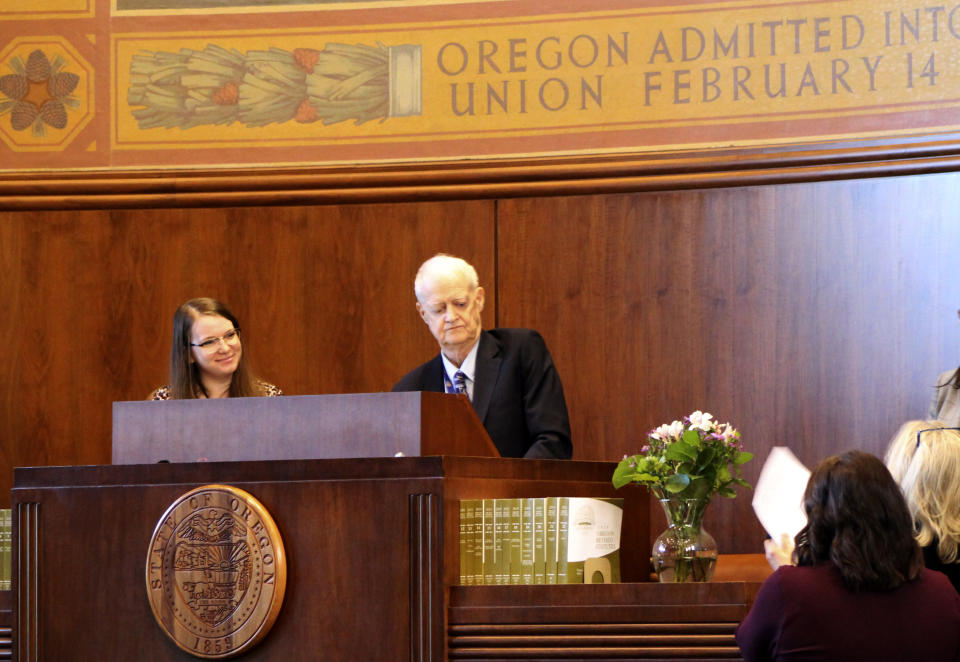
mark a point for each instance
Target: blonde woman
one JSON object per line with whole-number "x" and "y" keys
{"x": 924, "y": 459}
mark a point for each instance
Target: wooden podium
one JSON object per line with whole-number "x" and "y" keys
{"x": 298, "y": 427}
{"x": 372, "y": 547}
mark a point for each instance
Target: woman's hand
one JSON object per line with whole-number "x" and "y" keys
{"x": 779, "y": 554}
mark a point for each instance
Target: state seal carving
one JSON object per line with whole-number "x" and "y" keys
{"x": 216, "y": 571}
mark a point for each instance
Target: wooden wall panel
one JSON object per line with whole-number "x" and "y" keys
{"x": 812, "y": 315}
{"x": 325, "y": 296}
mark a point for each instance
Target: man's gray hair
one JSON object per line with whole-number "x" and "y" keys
{"x": 443, "y": 266}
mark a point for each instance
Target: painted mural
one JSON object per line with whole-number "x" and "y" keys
{"x": 472, "y": 80}
{"x": 221, "y": 86}
{"x": 127, "y": 5}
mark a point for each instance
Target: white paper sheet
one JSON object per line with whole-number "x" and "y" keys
{"x": 778, "y": 496}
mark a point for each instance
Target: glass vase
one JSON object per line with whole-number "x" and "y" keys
{"x": 685, "y": 552}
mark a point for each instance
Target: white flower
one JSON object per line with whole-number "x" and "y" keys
{"x": 668, "y": 431}
{"x": 701, "y": 421}
{"x": 675, "y": 429}
{"x": 727, "y": 431}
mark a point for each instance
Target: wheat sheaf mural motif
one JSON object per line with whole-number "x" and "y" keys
{"x": 217, "y": 85}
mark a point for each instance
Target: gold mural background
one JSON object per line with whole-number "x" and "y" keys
{"x": 395, "y": 82}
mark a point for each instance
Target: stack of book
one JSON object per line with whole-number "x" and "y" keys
{"x": 6, "y": 548}
{"x": 540, "y": 540}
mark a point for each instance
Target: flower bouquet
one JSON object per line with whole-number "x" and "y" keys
{"x": 685, "y": 463}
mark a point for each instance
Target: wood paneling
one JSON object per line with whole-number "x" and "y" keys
{"x": 813, "y": 315}
{"x": 637, "y": 621}
{"x": 325, "y": 296}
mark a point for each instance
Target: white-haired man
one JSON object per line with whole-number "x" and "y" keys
{"x": 507, "y": 373}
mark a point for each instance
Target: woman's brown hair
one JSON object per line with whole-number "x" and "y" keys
{"x": 185, "y": 379}
{"x": 858, "y": 520}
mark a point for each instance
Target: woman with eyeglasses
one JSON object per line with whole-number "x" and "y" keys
{"x": 859, "y": 590}
{"x": 924, "y": 458}
{"x": 207, "y": 358}
{"x": 946, "y": 398}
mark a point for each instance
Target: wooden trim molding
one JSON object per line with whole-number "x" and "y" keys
{"x": 426, "y": 604}
{"x": 609, "y": 622}
{"x": 27, "y": 582}
{"x": 6, "y": 625}
{"x": 271, "y": 185}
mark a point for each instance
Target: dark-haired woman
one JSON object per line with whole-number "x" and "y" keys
{"x": 207, "y": 358}
{"x": 859, "y": 591}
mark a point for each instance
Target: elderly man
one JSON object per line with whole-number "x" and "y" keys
{"x": 507, "y": 373}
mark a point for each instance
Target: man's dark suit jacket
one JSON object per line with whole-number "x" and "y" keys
{"x": 516, "y": 393}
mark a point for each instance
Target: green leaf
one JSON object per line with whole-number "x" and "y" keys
{"x": 624, "y": 473}
{"x": 706, "y": 458}
{"x": 742, "y": 457}
{"x": 691, "y": 437}
{"x": 681, "y": 451}
{"x": 676, "y": 483}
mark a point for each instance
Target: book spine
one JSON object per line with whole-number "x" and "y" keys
{"x": 500, "y": 529}
{"x": 477, "y": 566}
{"x": 526, "y": 548}
{"x": 563, "y": 529}
{"x": 489, "y": 561}
{"x": 466, "y": 577}
{"x": 539, "y": 541}
{"x": 6, "y": 548}
{"x": 550, "y": 517}
{"x": 516, "y": 539}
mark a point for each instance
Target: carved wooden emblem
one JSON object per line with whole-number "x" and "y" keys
{"x": 216, "y": 571}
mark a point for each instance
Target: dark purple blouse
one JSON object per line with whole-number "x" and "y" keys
{"x": 806, "y": 613}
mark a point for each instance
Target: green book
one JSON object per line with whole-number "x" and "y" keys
{"x": 467, "y": 540}
{"x": 477, "y": 537}
{"x": 516, "y": 524}
{"x": 526, "y": 545}
{"x": 593, "y": 540}
{"x": 550, "y": 551}
{"x": 539, "y": 541}
{"x": 466, "y": 577}
{"x": 501, "y": 528}
{"x": 563, "y": 522}
{"x": 489, "y": 560}
{"x": 6, "y": 549}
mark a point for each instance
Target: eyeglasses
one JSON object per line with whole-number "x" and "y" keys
{"x": 211, "y": 345}
{"x": 919, "y": 432}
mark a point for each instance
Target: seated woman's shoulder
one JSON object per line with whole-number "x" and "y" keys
{"x": 162, "y": 393}
{"x": 269, "y": 390}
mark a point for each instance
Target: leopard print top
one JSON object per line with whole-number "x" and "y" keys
{"x": 269, "y": 391}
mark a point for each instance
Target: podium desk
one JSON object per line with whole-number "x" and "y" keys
{"x": 372, "y": 548}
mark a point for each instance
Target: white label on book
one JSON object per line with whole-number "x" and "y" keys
{"x": 594, "y": 529}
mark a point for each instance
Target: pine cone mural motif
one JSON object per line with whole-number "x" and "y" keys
{"x": 38, "y": 93}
